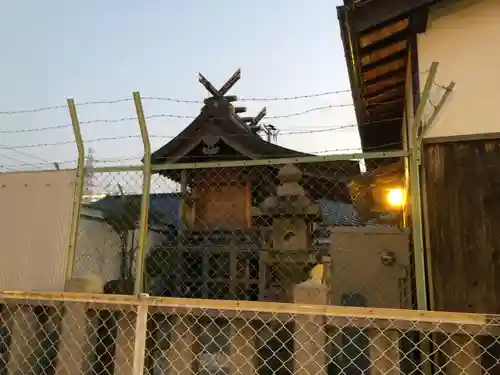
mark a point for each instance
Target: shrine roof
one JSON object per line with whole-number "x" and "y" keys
{"x": 221, "y": 133}
{"x": 215, "y": 127}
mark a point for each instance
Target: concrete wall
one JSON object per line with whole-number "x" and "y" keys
{"x": 35, "y": 217}
{"x": 463, "y": 38}
{"x": 357, "y": 257}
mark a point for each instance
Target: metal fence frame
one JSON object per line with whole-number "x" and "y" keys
{"x": 383, "y": 327}
{"x": 410, "y": 153}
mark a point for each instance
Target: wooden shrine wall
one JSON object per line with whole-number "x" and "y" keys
{"x": 222, "y": 200}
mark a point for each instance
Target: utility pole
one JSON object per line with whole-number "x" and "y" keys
{"x": 88, "y": 183}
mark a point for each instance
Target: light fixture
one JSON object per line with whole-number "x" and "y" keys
{"x": 396, "y": 197}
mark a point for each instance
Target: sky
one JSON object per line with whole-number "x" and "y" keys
{"x": 105, "y": 50}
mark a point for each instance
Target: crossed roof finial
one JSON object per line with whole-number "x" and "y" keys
{"x": 251, "y": 122}
{"x": 225, "y": 87}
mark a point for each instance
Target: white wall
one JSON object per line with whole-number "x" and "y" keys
{"x": 98, "y": 249}
{"x": 465, "y": 40}
{"x": 35, "y": 219}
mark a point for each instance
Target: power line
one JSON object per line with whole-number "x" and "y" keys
{"x": 16, "y": 160}
{"x": 15, "y": 149}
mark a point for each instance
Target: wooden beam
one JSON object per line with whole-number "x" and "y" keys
{"x": 372, "y": 94}
{"x": 393, "y": 74}
{"x": 378, "y": 12}
{"x": 383, "y": 69}
{"x": 386, "y": 97}
{"x": 350, "y": 47}
{"x": 400, "y": 55}
{"x": 385, "y": 42}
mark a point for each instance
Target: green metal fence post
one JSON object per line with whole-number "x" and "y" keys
{"x": 77, "y": 194}
{"x": 416, "y": 194}
{"x": 425, "y": 210}
{"x": 144, "y": 217}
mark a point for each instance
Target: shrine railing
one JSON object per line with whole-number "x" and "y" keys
{"x": 50, "y": 333}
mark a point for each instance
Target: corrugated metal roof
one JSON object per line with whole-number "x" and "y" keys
{"x": 338, "y": 213}
{"x": 164, "y": 209}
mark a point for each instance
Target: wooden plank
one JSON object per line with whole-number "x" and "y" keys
{"x": 463, "y": 210}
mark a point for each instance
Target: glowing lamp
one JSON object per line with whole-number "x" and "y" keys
{"x": 396, "y": 197}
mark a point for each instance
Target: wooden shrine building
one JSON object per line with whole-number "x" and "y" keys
{"x": 229, "y": 215}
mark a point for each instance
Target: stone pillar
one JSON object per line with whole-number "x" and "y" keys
{"x": 24, "y": 342}
{"x": 78, "y": 329}
{"x": 125, "y": 340}
{"x": 310, "y": 337}
{"x": 243, "y": 348}
{"x": 78, "y": 339}
{"x": 384, "y": 352}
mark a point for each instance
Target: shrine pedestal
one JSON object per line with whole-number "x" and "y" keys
{"x": 310, "y": 337}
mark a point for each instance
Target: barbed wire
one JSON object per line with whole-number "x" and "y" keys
{"x": 139, "y": 157}
{"x": 161, "y": 136}
{"x": 187, "y": 101}
{"x": 174, "y": 100}
{"x": 309, "y": 110}
{"x": 164, "y": 115}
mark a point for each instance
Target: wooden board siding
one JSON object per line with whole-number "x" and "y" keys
{"x": 222, "y": 201}
{"x": 463, "y": 199}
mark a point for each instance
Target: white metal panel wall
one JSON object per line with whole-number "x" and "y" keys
{"x": 35, "y": 219}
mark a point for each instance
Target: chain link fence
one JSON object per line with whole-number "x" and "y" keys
{"x": 253, "y": 230}
{"x": 108, "y": 241}
{"x": 96, "y": 334}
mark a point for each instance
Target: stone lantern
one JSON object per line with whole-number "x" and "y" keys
{"x": 290, "y": 213}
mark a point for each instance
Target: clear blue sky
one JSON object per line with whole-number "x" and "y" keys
{"x": 104, "y": 50}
